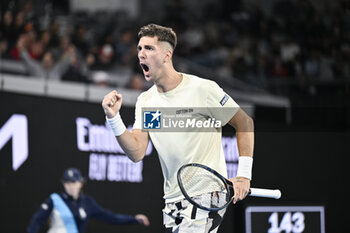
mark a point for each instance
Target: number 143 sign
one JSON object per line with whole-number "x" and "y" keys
{"x": 285, "y": 219}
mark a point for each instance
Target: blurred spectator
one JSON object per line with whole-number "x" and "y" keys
{"x": 45, "y": 39}
{"x": 193, "y": 36}
{"x": 47, "y": 68}
{"x": 312, "y": 65}
{"x": 105, "y": 58}
{"x": 90, "y": 61}
{"x": 126, "y": 47}
{"x": 240, "y": 59}
{"x": 19, "y": 26}
{"x": 137, "y": 82}
{"x": 36, "y": 50}
{"x": 54, "y": 35}
{"x": 28, "y": 11}
{"x": 21, "y": 44}
{"x": 278, "y": 69}
{"x": 289, "y": 51}
{"x": 65, "y": 47}
{"x": 258, "y": 74}
{"x": 29, "y": 39}
{"x": 6, "y": 27}
{"x": 79, "y": 39}
{"x": 77, "y": 71}
{"x": 100, "y": 78}
{"x": 4, "y": 49}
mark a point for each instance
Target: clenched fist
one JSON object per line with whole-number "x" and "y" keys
{"x": 112, "y": 103}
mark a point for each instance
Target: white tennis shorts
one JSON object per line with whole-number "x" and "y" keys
{"x": 183, "y": 217}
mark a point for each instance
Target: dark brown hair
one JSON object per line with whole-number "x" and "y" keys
{"x": 163, "y": 33}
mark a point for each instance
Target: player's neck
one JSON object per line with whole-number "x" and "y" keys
{"x": 169, "y": 80}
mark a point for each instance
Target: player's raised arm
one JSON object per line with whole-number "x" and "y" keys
{"x": 133, "y": 143}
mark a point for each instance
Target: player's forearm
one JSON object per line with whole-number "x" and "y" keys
{"x": 132, "y": 145}
{"x": 245, "y": 143}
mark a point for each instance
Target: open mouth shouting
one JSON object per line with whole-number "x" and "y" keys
{"x": 145, "y": 69}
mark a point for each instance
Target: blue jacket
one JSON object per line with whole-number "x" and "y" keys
{"x": 78, "y": 213}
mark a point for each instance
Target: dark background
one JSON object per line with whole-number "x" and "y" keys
{"x": 308, "y": 164}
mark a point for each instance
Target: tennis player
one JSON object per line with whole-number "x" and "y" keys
{"x": 174, "y": 89}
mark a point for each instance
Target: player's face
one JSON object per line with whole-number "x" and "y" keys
{"x": 151, "y": 56}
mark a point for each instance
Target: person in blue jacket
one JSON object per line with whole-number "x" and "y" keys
{"x": 69, "y": 211}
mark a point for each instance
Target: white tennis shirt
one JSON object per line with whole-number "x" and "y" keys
{"x": 178, "y": 148}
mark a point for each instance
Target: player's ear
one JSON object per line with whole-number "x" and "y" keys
{"x": 168, "y": 55}
{"x": 168, "y": 52}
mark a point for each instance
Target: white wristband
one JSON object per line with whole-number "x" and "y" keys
{"x": 116, "y": 124}
{"x": 245, "y": 165}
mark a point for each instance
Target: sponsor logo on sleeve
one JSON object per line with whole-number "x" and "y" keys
{"x": 224, "y": 100}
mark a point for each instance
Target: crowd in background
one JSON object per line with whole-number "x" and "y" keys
{"x": 294, "y": 41}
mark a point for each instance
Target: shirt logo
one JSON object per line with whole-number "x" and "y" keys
{"x": 152, "y": 119}
{"x": 224, "y": 100}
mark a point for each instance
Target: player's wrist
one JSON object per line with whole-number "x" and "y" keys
{"x": 116, "y": 124}
{"x": 245, "y": 165}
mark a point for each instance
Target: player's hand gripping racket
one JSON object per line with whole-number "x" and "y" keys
{"x": 195, "y": 179}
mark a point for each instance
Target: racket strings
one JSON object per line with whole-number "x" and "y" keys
{"x": 212, "y": 190}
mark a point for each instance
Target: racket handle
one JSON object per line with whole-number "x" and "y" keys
{"x": 269, "y": 193}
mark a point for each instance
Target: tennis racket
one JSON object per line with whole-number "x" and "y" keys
{"x": 206, "y": 189}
